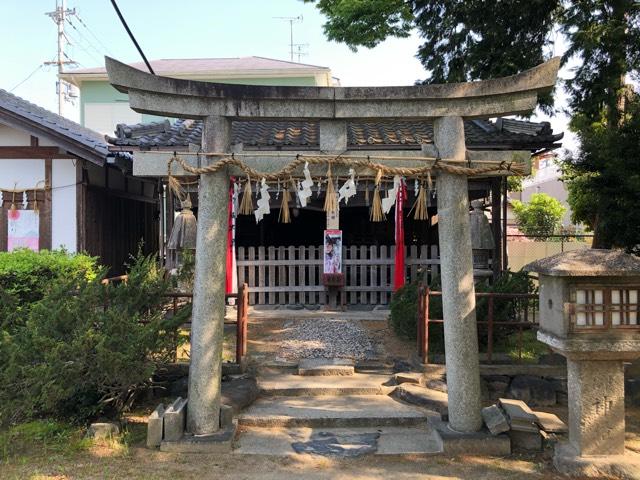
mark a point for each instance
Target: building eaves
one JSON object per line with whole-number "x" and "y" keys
{"x": 272, "y": 135}
{"x": 69, "y": 135}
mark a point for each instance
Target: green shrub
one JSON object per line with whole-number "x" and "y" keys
{"x": 27, "y": 275}
{"x": 404, "y": 308}
{"x": 86, "y": 349}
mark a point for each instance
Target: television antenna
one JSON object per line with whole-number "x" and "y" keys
{"x": 291, "y": 21}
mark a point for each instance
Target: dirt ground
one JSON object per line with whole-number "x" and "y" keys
{"x": 134, "y": 461}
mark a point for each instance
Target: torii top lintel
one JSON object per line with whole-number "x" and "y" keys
{"x": 159, "y": 95}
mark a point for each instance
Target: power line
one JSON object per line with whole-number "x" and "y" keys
{"x": 74, "y": 42}
{"x": 28, "y": 77}
{"x": 106, "y": 49}
{"x": 85, "y": 39}
{"x": 133, "y": 39}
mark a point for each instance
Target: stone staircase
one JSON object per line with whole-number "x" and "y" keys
{"x": 326, "y": 407}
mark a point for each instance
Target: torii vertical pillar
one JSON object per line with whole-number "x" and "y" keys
{"x": 458, "y": 292}
{"x": 207, "y": 320}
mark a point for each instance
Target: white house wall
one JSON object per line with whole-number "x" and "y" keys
{"x": 63, "y": 204}
{"x": 21, "y": 173}
{"x": 10, "y": 137}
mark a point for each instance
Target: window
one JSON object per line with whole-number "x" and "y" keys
{"x": 603, "y": 308}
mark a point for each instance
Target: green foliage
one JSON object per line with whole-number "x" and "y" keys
{"x": 540, "y": 217}
{"x": 526, "y": 349}
{"x": 365, "y": 23}
{"x": 85, "y": 348}
{"x": 603, "y": 181}
{"x": 404, "y": 308}
{"x": 27, "y": 275}
{"x": 479, "y": 39}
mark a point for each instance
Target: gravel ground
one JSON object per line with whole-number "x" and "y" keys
{"x": 325, "y": 338}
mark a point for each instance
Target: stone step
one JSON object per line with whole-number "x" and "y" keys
{"x": 298, "y": 385}
{"x": 323, "y": 367}
{"x": 339, "y": 442}
{"x": 332, "y": 412}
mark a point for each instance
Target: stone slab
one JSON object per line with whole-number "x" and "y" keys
{"x": 155, "y": 424}
{"x": 495, "y": 419}
{"x": 391, "y": 441}
{"x": 219, "y": 442}
{"x": 422, "y": 396}
{"x": 521, "y": 417}
{"x": 239, "y": 393}
{"x": 528, "y": 441}
{"x": 174, "y": 420}
{"x": 326, "y": 367}
{"x": 551, "y": 423}
{"x": 103, "y": 430}
{"x": 475, "y": 443}
{"x": 624, "y": 467}
{"x": 298, "y": 385}
{"x": 226, "y": 415}
{"x": 409, "y": 377}
{"x": 330, "y": 411}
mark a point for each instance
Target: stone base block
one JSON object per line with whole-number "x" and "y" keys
{"x": 529, "y": 441}
{"x": 624, "y": 467}
{"x": 476, "y": 443}
{"x": 217, "y": 443}
{"x": 336, "y": 367}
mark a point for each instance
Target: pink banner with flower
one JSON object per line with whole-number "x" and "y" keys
{"x": 23, "y": 230}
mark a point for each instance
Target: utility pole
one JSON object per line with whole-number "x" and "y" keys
{"x": 291, "y": 21}
{"x": 59, "y": 17}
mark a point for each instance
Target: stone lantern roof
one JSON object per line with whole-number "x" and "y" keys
{"x": 587, "y": 262}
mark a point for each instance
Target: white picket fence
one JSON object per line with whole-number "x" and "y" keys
{"x": 293, "y": 275}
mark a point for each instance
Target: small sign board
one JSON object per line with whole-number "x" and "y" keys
{"x": 333, "y": 251}
{"x": 23, "y": 229}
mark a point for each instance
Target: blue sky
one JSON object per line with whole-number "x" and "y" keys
{"x": 188, "y": 29}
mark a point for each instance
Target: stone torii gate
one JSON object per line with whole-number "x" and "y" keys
{"x": 446, "y": 105}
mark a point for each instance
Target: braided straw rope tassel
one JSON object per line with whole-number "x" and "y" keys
{"x": 330, "y": 200}
{"x": 284, "y": 216}
{"x": 377, "y": 215}
{"x": 246, "y": 203}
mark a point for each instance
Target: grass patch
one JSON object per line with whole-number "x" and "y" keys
{"x": 532, "y": 349}
{"x": 41, "y": 437}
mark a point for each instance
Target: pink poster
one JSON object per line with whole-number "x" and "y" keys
{"x": 23, "y": 230}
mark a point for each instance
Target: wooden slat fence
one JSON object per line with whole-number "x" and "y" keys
{"x": 293, "y": 275}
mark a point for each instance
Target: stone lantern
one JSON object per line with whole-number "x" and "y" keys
{"x": 482, "y": 243}
{"x": 589, "y": 314}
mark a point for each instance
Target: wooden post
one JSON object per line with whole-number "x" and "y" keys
{"x": 425, "y": 327}
{"x": 490, "y": 329}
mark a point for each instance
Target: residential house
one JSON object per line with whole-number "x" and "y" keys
{"x": 102, "y": 107}
{"x": 61, "y": 177}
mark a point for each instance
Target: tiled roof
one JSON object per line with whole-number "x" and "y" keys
{"x": 480, "y": 134}
{"x": 169, "y": 66}
{"x": 17, "y": 110}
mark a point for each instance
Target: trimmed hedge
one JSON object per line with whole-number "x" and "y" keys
{"x": 27, "y": 275}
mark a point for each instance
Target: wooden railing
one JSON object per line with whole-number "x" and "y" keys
{"x": 523, "y": 318}
{"x": 293, "y": 275}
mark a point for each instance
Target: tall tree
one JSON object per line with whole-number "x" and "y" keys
{"x": 477, "y": 39}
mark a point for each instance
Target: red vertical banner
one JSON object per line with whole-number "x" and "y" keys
{"x": 230, "y": 247}
{"x": 398, "y": 277}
